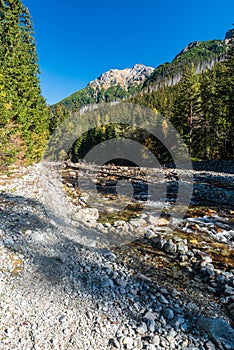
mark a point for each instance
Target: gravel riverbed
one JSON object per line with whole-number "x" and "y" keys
{"x": 58, "y": 293}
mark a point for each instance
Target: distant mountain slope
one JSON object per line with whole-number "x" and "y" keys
{"x": 111, "y": 85}
{"x": 202, "y": 54}
{"x": 121, "y": 84}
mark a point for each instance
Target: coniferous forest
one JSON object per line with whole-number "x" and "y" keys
{"x": 200, "y": 105}
{"x": 201, "y": 108}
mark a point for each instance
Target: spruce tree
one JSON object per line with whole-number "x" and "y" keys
{"x": 212, "y": 110}
{"x": 24, "y": 116}
{"x": 187, "y": 106}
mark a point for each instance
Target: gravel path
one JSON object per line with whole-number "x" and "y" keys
{"x": 56, "y": 293}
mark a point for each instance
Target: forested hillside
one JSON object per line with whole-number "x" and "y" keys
{"x": 201, "y": 54}
{"x": 195, "y": 92}
{"x": 201, "y": 108}
{"x": 24, "y": 116}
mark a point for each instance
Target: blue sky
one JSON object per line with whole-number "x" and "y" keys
{"x": 79, "y": 40}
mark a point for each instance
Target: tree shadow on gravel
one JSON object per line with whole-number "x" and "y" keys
{"x": 25, "y": 218}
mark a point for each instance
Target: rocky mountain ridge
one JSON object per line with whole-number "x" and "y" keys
{"x": 125, "y": 77}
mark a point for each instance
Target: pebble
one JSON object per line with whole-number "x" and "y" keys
{"x": 170, "y": 247}
{"x": 128, "y": 342}
{"x": 162, "y": 299}
{"x": 168, "y": 314}
{"x": 151, "y": 325}
{"x": 155, "y": 340}
{"x": 150, "y": 316}
{"x": 142, "y": 329}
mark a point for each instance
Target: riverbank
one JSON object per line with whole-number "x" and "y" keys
{"x": 161, "y": 291}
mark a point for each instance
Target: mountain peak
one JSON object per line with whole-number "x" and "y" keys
{"x": 125, "y": 77}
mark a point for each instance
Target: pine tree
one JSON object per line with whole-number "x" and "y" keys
{"x": 211, "y": 110}
{"x": 187, "y": 106}
{"x": 24, "y": 116}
